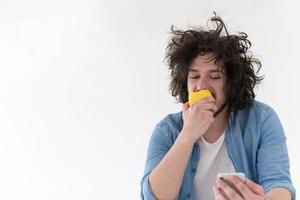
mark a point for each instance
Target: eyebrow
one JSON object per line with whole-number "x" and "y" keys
{"x": 209, "y": 71}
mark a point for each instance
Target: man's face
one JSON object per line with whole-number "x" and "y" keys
{"x": 205, "y": 74}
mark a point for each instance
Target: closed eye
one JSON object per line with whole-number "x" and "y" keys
{"x": 215, "y": 77}
{"x": 195, "y": 77}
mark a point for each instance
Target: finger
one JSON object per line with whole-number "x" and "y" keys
{"x": 206, "y": 100}
{"x": 255, "y": 188}
{"x": 206, "y": 106}
{"x": 240, "y": 186}
{"x": 207, "y": 116}
{"x": 228, "y": 190}
{"x": 218, "y": 194}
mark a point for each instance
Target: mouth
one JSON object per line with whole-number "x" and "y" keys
{"x": 212, "y": 93}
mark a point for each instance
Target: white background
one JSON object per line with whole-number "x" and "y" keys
{"x": 83, "y": 83}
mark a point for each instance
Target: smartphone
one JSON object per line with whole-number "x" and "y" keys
{"x": 225, "y": 178}
{"x": 238, "y": 174}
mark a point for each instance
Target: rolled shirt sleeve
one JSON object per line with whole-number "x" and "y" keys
{"x": 272, "y": 156}
{"x": 159, "y": 145}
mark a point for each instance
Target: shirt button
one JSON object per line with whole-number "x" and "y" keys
{"x": 189, "y": 195}
{"x": 194, "y": 170}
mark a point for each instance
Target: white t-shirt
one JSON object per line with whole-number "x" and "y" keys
{"x": 213, "y": 160}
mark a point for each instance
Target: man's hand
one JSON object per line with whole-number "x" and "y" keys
{"x": 198, "y": 117}
{"x": 240, "y": 190}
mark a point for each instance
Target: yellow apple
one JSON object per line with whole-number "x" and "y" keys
{"x": 195, "y": 96}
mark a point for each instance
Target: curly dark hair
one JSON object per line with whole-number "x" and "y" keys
{"x": 230, "y": 50}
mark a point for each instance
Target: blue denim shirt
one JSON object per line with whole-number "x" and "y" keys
{"x": 256, "y": 145}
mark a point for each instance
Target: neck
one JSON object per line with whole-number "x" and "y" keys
{"x": 217, "y": 127}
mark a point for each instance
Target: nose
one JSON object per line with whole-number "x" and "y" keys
{"x": 201, "y": 84}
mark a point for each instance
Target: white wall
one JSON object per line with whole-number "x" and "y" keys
{"x": 82, "y": 85}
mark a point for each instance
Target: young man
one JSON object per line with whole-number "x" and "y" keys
{"x": 228, "y": 132}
